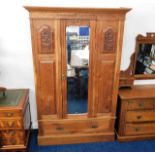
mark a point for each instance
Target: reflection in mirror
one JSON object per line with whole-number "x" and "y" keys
{"x": 145, "y": 63}
{"x": 77, "y": 40}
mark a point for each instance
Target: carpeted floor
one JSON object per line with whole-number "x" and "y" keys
{"x": 141, "y": 146}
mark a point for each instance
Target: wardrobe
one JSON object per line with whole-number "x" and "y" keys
{"x": 76, "y": 57}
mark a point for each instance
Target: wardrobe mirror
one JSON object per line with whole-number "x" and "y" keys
{"x": 77, "y": 40}
{"x": 145, "y": 61}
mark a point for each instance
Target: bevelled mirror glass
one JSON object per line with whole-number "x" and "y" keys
{"x": 145, "y": 62}
{"x": 77, "y": 43}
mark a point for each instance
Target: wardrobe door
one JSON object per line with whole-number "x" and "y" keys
{"x": 107, "y": 73}
{"x": 47, "y": 62}
{"x": 77, "y": 52}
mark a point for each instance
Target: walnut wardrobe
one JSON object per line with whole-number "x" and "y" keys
{"x": 76, "y": 55}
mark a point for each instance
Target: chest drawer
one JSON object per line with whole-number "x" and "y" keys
{"x": 12, "y": 133}
{"x": 10, "y": 124}
{"x": 140, "y": 116}
{"x": 141, "y": 104}
{"x": 10, "y": 114}
{"x": 12, "y": 137}
{"x": 140, "y": 129}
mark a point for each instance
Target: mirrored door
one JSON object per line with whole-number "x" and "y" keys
{"x": 77, "y": 51}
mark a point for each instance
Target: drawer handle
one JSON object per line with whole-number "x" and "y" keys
{"x": 60, "y": 128}
{"x": 141, "y": 105}
{"x": 139, "y": 117}
{"x": 94, "y": 126}
{"x": 137, "y": 129}
{"x": 9, "y": 114}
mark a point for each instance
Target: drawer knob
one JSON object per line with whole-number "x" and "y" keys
{"x": 141, "y": 105}
{"x": 137, "y": 129}
{"x": 94, "y": 126}
{"x": 139, "y": 117}
{"x": 63, "y": 77}
{"x": 60, "y": 128}
{"x": 9, "y": 114}
{"x": 12, "y": 132}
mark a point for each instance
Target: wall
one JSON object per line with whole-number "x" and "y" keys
{"x": 16, "y": 67}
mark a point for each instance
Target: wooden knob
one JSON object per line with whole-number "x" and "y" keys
{"x": 63, "y": 77}
{"x": 94, "y": 126}
{"x": 139, "y": 117}
{"x": 60, "y": 128}
{"x": 137, "y": 129}
{"x": 141, "y": 104}
{"x": 12, "y": 132}
{"x": 9, "y": 114}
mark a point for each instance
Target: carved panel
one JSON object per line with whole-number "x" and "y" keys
{"x": 109, "y": 40}
{"x": 46, "y": 38}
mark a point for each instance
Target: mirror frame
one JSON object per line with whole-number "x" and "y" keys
{"x": 128, "y": 76}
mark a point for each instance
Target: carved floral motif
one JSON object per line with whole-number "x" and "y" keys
{"x": 46, "y": 39}
{"x": 109, "y": 40}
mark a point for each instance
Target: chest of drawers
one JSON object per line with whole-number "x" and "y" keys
{"x": 136, "y": 113}
{"x": 15, "y": 120}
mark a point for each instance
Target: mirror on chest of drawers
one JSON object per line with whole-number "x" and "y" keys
{"x": 145, "y": 60}
{"x": 142, "y": 61}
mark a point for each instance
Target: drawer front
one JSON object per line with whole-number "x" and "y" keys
{"x": 10, "y": 124}
{"x": 140, "y": 129}
{"x": 12, "y": 137}
{"x": 10, "y": 114}
{"x": 140, "y": 116}
{"x": 137, "y": 104}
{"x": 67, "y": 126}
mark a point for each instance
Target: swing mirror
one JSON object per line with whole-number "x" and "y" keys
{"x": 142, "y": 61}
{"x": 145, "y": 57}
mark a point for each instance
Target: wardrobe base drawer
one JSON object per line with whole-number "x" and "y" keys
{"x": 75, "y": 126}
{"x": 140, "y": 129}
